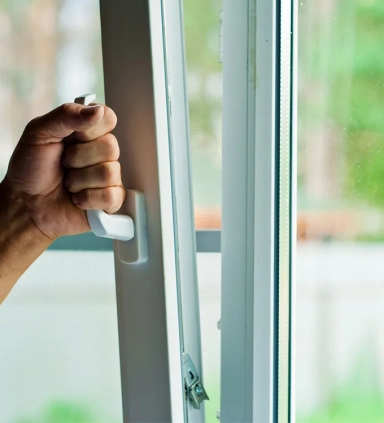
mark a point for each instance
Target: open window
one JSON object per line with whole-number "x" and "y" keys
{"x": 145, "y": 77}
{"x": 206, "y": 125}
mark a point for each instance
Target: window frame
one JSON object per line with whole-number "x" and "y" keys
{"x": 158, "y": 316}
{"x": 258, "y": 212}
{"x": 257, "y": 310}
{"x": 256, "y": 307}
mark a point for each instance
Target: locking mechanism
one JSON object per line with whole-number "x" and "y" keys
{"x": 193, "y": 387}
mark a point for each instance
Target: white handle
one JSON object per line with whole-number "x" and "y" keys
{"x": 111, "y": 226}
{"x": 104, "y": 225}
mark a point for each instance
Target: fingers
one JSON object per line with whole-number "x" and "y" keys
{"x": 88, "y": 123}
{"x": 63, "y": 121}
{"x": 102, "y": 175}
{"x": 94, "y": 175}
{"x": 80, "y": 155}
{"x": 109, "y": 199}
{"x": 104, "y": 126}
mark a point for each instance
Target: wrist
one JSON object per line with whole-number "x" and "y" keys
{"x": 21, "y": 242}
{"x": 15, "y": 218}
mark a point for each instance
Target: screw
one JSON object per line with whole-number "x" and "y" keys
{"x": 199, "y": 390}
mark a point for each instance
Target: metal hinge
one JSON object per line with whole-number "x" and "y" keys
{"x": 194, "y": 389}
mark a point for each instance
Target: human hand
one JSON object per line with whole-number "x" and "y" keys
{"x": 66, "y": 163}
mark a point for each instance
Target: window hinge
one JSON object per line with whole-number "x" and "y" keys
{"x": 193, "y": 387}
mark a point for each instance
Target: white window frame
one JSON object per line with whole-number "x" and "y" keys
{"x": 257, "y": 228}
{"x": 157, "y": 301}
{"x": 145, "y": 85}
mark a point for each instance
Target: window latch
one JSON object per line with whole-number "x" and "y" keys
{"x": 194, "y": 389}
{"x": 122, "y": 227}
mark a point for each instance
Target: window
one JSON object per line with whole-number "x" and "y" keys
{"x": 257, "y": 231}
{"x": 340, "y": 212}
{"x": 202, "y": 23}
{"x": 178, "y": 110}
{"x": 222, "y": 114}
{"x": 203, "y": 42}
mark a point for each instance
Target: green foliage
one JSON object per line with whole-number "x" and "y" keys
{"x": 202, "y": 23}
{"x": 347, "y": 411}
{"x": 202, "y": 35}
{"x": 357, "y": 400}
{"x": 13, "y": 5}
{"x": 365, "y": 130}
{"x": 345, "y": 58}
{"x": 62, "y": 412}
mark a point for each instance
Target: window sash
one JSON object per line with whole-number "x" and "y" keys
{"x": 157, "y": 301}
{"x": 257, "y": 212}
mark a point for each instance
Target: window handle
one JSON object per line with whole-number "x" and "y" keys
{"x": 118, "y": 226}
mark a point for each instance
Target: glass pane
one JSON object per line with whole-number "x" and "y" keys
{"x": 209, "y": 274}
{"x": 204, "y": 80}
{"x": 59, "y": 357}
{"x": 340, "y": 289}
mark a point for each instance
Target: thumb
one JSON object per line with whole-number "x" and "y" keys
{"x": 61, "y": 122}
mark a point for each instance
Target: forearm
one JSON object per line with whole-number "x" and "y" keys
{"x": 21, "y": 243}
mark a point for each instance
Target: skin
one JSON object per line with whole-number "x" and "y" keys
{"x": 66, "y": 162}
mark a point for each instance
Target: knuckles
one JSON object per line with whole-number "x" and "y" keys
{"x": 104, "y": 149}
{"x": 66, "y": 108}
{"x": 112, "y": 199}
{"x": 110, "y": 118}
{"x": 32, "y": 126}
{"x": 108, "y": 197}
{"x": 110, "y": 171}
{"x": 111, "y": 147}
{"x": 70, "y": 181}
{"x": 103, "y": 174}
{"x": 72, "y": 156}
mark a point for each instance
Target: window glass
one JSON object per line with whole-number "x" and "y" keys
{"x": 340, "y": 277}
{"x": 59, "y": 358}
{"x": 204, "y": 81}
{"x": 209, "y": 274}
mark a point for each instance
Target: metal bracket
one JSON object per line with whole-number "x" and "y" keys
{"x": 193, "y": 387}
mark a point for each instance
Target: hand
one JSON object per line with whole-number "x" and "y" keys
{"x": 65, "y": 163}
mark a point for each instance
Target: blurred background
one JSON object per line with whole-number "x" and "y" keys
{"x": 58, "y": 345}
{"x": 340, "y": 286}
